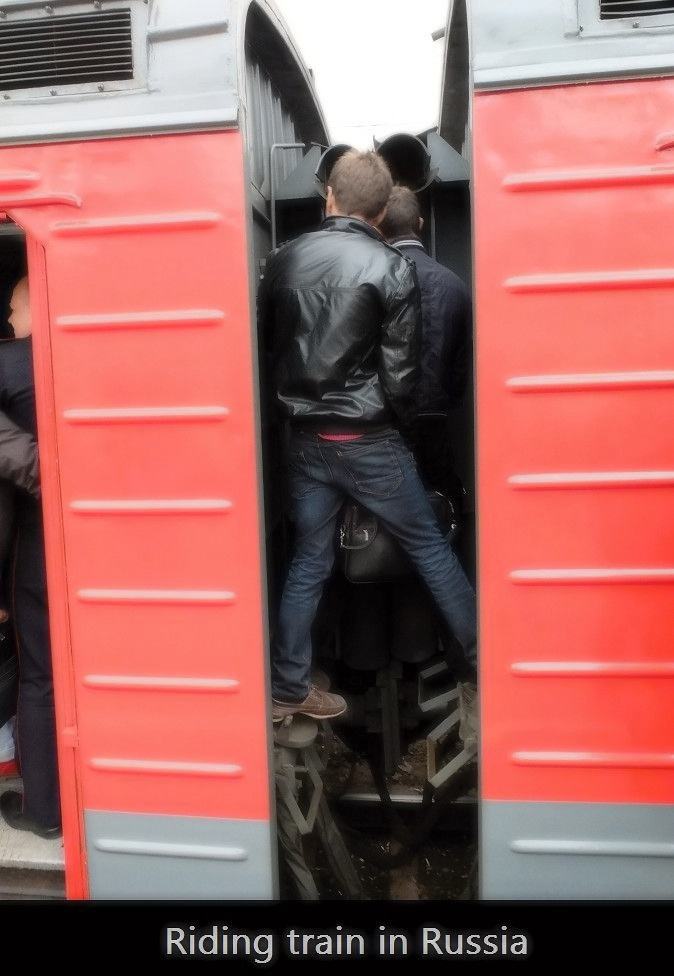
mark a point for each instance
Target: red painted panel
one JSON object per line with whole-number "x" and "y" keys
{"x": 575, "y": 280}
{"x": 148, "y": 307}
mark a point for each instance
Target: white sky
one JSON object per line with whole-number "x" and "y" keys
{"x": 376, "y": 68}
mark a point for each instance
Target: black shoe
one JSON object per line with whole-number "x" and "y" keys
{"x": 11, "y": 807}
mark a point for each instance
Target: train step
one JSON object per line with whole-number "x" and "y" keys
{"x": 30, "y": 867}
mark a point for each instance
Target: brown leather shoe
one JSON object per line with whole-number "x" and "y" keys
{"x": 320, "y": 679}
{"x": 318, "y": 704}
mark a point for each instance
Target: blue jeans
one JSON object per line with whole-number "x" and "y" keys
{"x": 380, "y": 473}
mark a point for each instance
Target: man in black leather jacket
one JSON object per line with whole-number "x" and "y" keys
{"x": 340, "y": 311}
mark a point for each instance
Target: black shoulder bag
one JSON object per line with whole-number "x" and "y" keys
{"x": 370, "y": 554}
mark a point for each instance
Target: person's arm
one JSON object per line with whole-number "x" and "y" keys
{"x": 401, "y": 347}
{"x": 18, "y": 457}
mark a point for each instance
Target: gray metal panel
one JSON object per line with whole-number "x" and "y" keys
{"x": 302, "y": 183}
{"x": 185, "y": 76}
{"x": 576, "y": 851}
{"x": 145, "y": 856}
{"x": 269, "y": 122}
{"x": 451, "y": 167}
{"x": 534, "y": 42}
{"x": 456, "y": 101}
{"x": 278, "y": 102}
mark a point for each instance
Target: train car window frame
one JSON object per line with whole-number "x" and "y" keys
{"x": 590, "y": 23}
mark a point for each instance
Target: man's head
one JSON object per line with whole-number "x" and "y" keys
{"x": 359, "y": 185}
{"x": 403, "y": 215}
{"x": 20, "y": 318}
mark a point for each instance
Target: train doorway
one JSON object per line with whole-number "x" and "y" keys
{"x": 399, "y": 780}
{"x": 153, "y": 424}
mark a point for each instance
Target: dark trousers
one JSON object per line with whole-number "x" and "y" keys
{"x": 379, "y": 472}
{"x": 35, "y": 720}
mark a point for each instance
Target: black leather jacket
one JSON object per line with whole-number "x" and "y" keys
{"x": 340, "y": 311}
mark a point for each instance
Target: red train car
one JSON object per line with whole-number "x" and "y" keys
{"x": 564, "y": 110}
{"x": 137, "y": 165}
{"x": 150, "y": 156}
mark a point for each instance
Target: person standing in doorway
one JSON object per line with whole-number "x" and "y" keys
{"x": 340, "y": 311}
{"x": 19, "y": 471}
{"x": 38, "y": 809}
{"x": 446, "y": 314}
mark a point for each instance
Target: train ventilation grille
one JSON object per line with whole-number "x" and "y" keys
{"x": 70, "y": 50}
{"x": 617, "y": 9}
